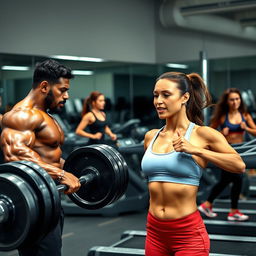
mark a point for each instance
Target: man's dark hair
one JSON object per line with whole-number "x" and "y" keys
{"x": 50, "y": 71}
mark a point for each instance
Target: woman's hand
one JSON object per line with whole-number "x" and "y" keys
{"x": 180, "y": 144}
{"x": 97, "y": 136}
{"x": 113, "y": 136}
{"x": 243, "y": 125}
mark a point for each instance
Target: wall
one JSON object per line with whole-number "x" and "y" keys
{"x": 117, "y": 30}
{"x": 82, "y": 86}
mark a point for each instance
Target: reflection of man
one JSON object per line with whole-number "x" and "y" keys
{"x": 30, "y": 133}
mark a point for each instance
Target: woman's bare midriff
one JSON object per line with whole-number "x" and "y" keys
{"x": 171, "y": 200}
{"x": 235, "y": 137}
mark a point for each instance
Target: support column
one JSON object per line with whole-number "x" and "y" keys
{"x": 204, "y": 71}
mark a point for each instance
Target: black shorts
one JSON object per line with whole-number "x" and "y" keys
{"x": 48, "y": 246}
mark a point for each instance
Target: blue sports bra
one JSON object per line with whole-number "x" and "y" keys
{"x": 232, "y": 127}
{"x": 177, "y": 167}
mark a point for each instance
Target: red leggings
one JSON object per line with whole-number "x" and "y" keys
{"x": 186, "y": 236}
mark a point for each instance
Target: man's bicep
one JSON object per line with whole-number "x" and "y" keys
{"x": 18, "y": 145}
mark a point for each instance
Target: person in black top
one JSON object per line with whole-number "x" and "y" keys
{"x": 94, "y": 117}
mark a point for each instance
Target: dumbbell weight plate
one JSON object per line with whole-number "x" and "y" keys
{"x": 99, "y": 192}
{"x": 123, "y": 164}
{"x": 23, "y": 215}
{"x": 115, "y": 165}
{"x": 41, "y": 193}
{"x": 54, "y": 194}
{"x": 123, "y": 170}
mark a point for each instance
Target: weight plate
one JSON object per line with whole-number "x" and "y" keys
{"x": 52, "y": 188}
{"x": 99, "y": 192}
{"x": 115, "y": 164}
{"x": 23, "y": 213}
{"x": 43, "y": 195}
{"x": 124, "y": 168}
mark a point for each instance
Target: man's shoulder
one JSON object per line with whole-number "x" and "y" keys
{"x": 23, "y": 118}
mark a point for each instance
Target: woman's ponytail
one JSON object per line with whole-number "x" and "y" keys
{"x": 86, "y": 106}
{"x": 200, "y": 98}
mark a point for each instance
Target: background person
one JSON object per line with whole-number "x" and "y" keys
{"x": 94, "y": 118}
{"x": 231, "y": 116}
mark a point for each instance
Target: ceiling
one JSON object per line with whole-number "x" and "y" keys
{"x": 239, "y": 11}
{"x": 234, "y": 18}
{"x": 242, "y": 11}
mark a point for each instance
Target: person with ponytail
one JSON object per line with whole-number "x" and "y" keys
{"x": 94, "y": 117}
{"x": 175, "y": 157}
{"x": 231, "y": 116}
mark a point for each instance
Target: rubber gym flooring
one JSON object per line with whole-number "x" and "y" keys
{"x": 83, "y": 232}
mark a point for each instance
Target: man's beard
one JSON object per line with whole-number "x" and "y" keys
{"x": 49, "y": 100}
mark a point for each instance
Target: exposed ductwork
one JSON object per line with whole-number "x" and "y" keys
{"x": 217, "y": 6}
{"x": 170, "y": 15}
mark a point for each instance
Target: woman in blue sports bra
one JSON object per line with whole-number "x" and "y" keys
{"x": 173, "y": 162}
{"x": 94, "y": 117}
{"x": 231, "y": 116}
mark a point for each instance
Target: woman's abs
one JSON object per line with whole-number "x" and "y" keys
{"x": 235, "y": 137}
{"x": 172, "y": 200}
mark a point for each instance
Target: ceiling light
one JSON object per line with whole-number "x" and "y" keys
{"x": 67, "y": 57}
{"x": 17, "y": 68}
{"x": 82, "y": 72}
{"x": 176, "y": 65}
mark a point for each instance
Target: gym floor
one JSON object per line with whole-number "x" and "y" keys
{"x": 83, "y": 232}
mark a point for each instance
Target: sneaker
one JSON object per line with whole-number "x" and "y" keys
{"x": 237, "y": 216}
{"x": 207, "y": 211}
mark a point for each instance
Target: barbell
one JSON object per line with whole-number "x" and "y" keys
{"x": 30, "y": 204}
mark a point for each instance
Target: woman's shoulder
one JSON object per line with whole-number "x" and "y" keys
{"x": 150, "y": 134}
{"x": 207, "y": 132}
{"x": 246, "y": 115}
{"x": 88, "y": 116}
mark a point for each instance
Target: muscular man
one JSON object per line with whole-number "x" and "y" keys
{"x": 30, "y": 133}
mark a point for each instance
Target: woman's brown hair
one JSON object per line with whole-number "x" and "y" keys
{"x": 87, "y": 105}
{"x": 200, "y": 97}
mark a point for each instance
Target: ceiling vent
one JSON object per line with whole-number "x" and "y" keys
{"x": 171, "y": 15}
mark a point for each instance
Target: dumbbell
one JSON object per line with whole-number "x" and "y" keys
{"x": 29, "y": 197}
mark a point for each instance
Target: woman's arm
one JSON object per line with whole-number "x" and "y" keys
{"x": 218, "y": 123}
{"x": 251, "y": 127}
{"x": 218, "y": 151}
{"x": 110, "y": 133}
{"x": 83, "y": 124}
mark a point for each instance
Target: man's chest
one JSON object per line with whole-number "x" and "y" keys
{"x": 50, "y": 133}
